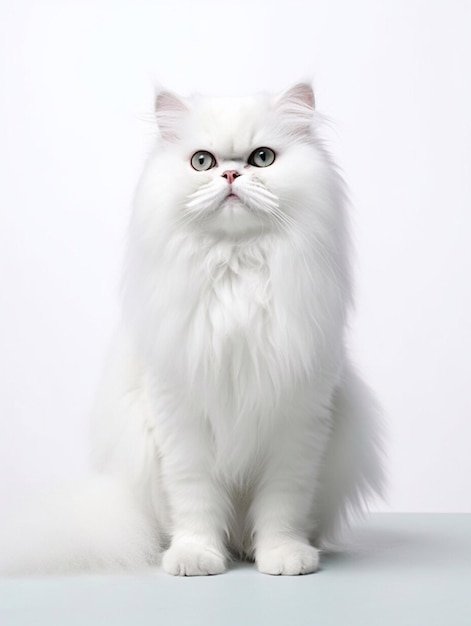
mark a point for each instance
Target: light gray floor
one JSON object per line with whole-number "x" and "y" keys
{"x": 405, "y": 569}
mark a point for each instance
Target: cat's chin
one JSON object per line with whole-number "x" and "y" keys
{"x": 234, "y": 219}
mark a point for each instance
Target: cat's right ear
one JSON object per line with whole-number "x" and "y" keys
{"x": 170, "y": 110}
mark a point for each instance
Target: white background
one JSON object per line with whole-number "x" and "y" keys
{"x": 76, "y": 90}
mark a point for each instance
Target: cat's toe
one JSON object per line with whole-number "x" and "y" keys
{"x": 288, "y": 559}
{"x": 193, "y": 559}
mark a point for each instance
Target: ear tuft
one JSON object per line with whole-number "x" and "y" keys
{"x": 170, "y": 110}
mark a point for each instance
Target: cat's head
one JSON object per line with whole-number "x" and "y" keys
{"x": 236, "y": 167}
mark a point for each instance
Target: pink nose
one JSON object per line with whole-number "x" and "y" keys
{"x": 230, "y": 175}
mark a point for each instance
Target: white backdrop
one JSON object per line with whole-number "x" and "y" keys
{"x": 76, "y": 123}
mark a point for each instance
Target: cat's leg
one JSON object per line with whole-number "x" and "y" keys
{"x": 282, "y": 507}
{"x": 198, "y": 507}
{"x": 197, "y": 545}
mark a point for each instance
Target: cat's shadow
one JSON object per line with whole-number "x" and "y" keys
{"x": 379, "y": 548}
{"x": 373, "y": 546}
{"x": 414, "y": 547}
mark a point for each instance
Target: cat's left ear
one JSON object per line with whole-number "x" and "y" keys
{"x": 296, "y": 105}
{"x": 170, "y": 110}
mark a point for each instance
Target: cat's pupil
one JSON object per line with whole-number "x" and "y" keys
{"x": 262, "y": 155}
{"x": 201, "y": 159}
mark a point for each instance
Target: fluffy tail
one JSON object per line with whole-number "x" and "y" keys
{"x": 93, "y": 524}
{"x": 353, "y": 473}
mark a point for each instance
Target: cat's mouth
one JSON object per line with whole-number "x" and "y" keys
{"x": 233, "y": 217}
{"x": 231, "y": 199}
{"x": 225, "y": 210}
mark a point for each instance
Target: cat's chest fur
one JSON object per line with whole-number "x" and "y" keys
{"x": 236, "y": 297}
{"x": 235, "y": 325}
{"x": 232, "y": 332}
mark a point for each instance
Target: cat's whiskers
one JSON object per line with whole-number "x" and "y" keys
{"x": 206, "y": 197}
{"x": 259, "y": 200}
{"x": 202, "y": 203}
{"x": 283, "y": 219}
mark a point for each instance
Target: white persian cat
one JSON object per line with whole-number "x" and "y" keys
{"x": 229, "y": 421}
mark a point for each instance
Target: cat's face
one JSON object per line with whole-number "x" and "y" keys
{"x": 237, "y": 167}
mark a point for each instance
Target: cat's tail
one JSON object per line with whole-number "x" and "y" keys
{"x": 353, "y": 473}
{"x": 92, "y": 524}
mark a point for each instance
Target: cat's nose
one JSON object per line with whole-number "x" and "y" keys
{"x": 230, "y": 175}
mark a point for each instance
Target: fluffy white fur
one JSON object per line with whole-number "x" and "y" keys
{"x": 229, "y": 409}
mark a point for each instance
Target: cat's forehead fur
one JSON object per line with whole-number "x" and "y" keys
{"x": 229, "y": 126}
{"x": 234, "y": 126}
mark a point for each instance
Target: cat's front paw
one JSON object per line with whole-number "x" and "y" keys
{"x": 193, "y": 559}
{"x": 289, "y": 559}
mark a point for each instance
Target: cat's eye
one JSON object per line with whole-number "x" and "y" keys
{"x": 262, "y": 157}
{"x": 202, "y": 160}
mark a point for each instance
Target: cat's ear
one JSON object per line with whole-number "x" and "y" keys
{"x": 170, "y": 110}
{"x": 296, "y": 105}
{"x": 299, "y": 95}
